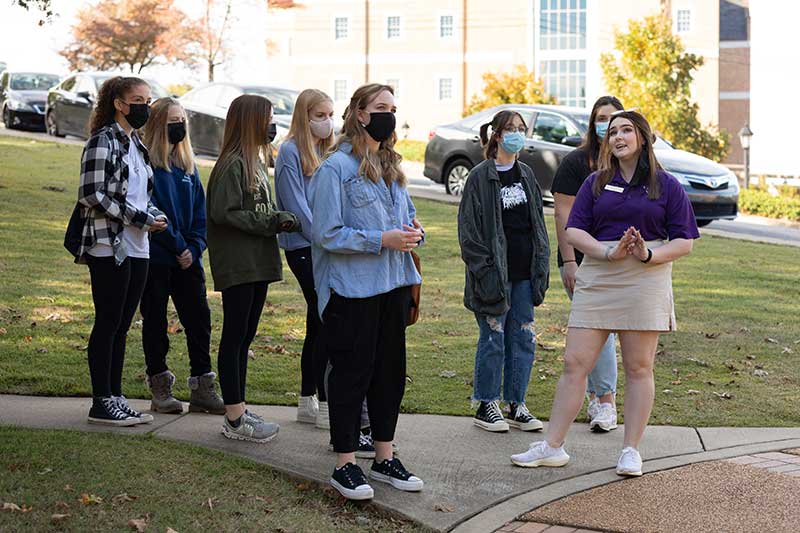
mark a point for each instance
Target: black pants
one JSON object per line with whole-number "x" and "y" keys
{"x": 241, "y": 309}
{"x": 188, "y": 291}
{"x": 116, "y": 291}
{"x": 365, "y": 339}
{"x": 313, "y": 361}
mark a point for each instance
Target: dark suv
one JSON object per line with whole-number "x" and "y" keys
{"x": 70, "y": 103}
{"x": 554, "y": 131}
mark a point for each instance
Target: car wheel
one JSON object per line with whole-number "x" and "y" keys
{"x": 7, "y": 118}
{"x": 455, "y": 177}
{"x": 703, "y": 223}
{"x": 52, "y": 125}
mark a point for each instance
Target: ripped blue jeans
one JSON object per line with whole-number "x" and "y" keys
{"x": 506, "y": 348}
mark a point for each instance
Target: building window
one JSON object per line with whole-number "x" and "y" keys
{"x": 394, "y": 83}
{"x": 445, "y": 88}
{"x": 340, "y": 25}
{"x": 562, "y": 24}
{"x": 446, "y": 26}
{"x": 683, "y": 21}
{"x": 340, "y": 90}
{"x": 566, "y": 80}
{"x": 393, "y": 27}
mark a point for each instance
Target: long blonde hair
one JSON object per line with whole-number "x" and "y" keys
{"x": 374, "y": 165}
{"x": 155, "y": 137}
{"x": 245, "y": 137}
{"x": 300, "y": 130}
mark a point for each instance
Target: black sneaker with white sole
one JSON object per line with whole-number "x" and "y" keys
{"x": 393, "y": 472}
{"x": 490, "y": 417}
{"x": 125, "y": 407}
{"x": 349, "y": 480}
{"x": 519, "y": 417}
{"x": 105, "y": 411}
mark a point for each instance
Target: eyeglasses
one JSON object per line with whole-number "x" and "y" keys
{"x": 512, "y": 129}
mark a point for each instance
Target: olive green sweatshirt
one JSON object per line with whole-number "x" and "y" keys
{"x": 242, "y": 228}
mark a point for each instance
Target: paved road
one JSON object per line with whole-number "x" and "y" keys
{"x": 744, "y": 228}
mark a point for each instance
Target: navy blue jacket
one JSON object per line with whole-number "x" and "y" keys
{"x": 180, "y": 196}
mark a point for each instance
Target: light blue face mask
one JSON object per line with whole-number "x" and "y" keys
{"x": 600, "y": 128}
{"x": 513, "y": 142}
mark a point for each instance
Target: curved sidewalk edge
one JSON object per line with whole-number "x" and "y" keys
{"x": 495, "y": 517}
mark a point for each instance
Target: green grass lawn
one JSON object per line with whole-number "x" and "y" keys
{"x": 733, "y": 361}
{"x": 70, "y": 481}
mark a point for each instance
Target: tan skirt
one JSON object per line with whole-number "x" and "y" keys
{"x": 623, "y": 295}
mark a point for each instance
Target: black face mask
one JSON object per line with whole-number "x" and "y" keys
{"x": 381, "y": 125}
{"x": 272, "y": 132}
{"x": 176, "y": 131}
{"x": 137, "y": 115}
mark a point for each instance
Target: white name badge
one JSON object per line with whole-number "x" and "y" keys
{"x": 614, "y": 188}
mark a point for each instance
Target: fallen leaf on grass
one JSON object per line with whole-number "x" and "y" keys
{"x": 124, "y": 497}
{"x": 447, "y": 374}
{"x": 442, "y": 508}
{"x": 58, "y": 518}
{"x": 41, "y": 350}
{"x": 760, "y": 373}
{"x": 170, "y": 530}
{"x": 713, "y": 335}
{"x": 698, "y": 361}
{"x": 667, "y": 391}
{"x": 744, "y": 330}
{"x": 750, "y": 356}
{"x": 796, "y": 342}
{"x": 27, "y": 338}
{"x": 676, "y": 382}
{"x": 692, "y": 392}
{"x": 545, "y": 347}
{"x": 139, "y": 524}
{"x": 45, "y": 471}
{"x": 264, "y": 499}
{"x": 3, "y": 331}
{"x": 770, "y": 340}
{"x": 62, "y": 505}
{"x": 786, "y": 349}
{"x": 7, "y": 506}
{"x": 251, "y": 354}
{"x": 724, "y": 395}
{"x": 210, "y": 503}
{"x": 174, "y": 327}
{"x": 87, "y": 499}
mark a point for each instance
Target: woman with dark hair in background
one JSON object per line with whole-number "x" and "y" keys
{"x": 504, "y": 244}
{"x": 176, "y": 265}
{"x": 572, "y": 172}
{"x": 243, "y": 249}
{"x": 114, "y": 195}
{"x": 631, "y": 220}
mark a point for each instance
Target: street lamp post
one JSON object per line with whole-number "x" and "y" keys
{"x": 744, "y": 138}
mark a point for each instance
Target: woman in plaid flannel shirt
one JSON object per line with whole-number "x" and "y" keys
{"x": 114, "y": 194}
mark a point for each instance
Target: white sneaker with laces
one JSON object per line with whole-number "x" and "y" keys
{"x": 604, "y": 419}
{"x": 323, "y": 420}
{"x": 592, "y": 408}
{"x": 307, "y": 409}
{"x": 541, "y": 454}
{"x": 630, "y": 462}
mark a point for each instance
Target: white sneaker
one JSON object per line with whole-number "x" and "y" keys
{"x": 630, "y": 462}
{"x": 593, "y": 408}
{"x": 307, "y": 409}
{"x": 323, "y": 420}
{"x": 604, "y": 419}
{"x": 541, "y": 454}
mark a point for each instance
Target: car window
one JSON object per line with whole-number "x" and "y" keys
{"x": 553, "y": 128}
{"x": 207, "y": 96}
{"x": 282, "y": 100}
{"x": 32, "y": 82}
{"x": 661, "y": 144}
{"x": 156, "y": 90}
{"x": 226, "y": 95}
{"x": 69, "y": 83}
{"x": 477, "y": 120}
{"x": 527, "y": 116}
{"x": 85, "y": 84}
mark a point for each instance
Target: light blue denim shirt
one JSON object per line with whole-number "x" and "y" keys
{"x": 292, "y": 192}
{"x": 350, "y": 214}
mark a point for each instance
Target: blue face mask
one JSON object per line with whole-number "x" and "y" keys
{"x": 513, "y": 142}
{"x": 600, "y": 128}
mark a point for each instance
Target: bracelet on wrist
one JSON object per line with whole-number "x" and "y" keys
{"x": 649, "y": 256}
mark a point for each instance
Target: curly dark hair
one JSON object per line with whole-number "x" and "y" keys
{"x": 104, "y": 110}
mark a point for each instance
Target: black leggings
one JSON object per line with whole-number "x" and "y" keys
{"x": 241, "y": 310}
{"x": 313, "y": 361}
{"x": 116, "y": 291}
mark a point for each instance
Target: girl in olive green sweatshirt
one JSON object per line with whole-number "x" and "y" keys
{"x": 243, "y": 249}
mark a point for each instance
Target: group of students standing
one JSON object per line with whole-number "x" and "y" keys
{"x": 347, "y": 225}
{"x": 345, "y": 220}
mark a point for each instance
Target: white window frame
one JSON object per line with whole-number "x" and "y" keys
{"x": 677, "y": 26}
{"x": 349, "y": 32}
{"x": 437, "y": 90}
{"x": 439, "y": 26}
{"x": 400, "y": 33}
{"x": 398, "y": 90}
{"x": 348, "y": 81}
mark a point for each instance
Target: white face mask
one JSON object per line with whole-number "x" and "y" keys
{"x": 322, "y": 129}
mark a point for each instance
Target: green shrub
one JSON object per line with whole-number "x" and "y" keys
{"x": 759, "y": 202}
{"x": 411, "y": 150}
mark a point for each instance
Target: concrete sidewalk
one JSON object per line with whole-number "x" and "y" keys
{"x": 470, "y": 484}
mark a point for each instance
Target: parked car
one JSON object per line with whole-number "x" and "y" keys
{"x": 70, "y": 103}
{"x": 3, "y": 66}
{"x": 553, "y": 131}
{"x": 207, "y": 106}
{"x": 23, "y": 96}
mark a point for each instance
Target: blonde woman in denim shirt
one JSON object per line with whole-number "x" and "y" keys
{"x": 363, "y": 229}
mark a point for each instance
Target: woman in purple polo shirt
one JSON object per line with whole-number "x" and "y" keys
{"x": 631, "y": 219}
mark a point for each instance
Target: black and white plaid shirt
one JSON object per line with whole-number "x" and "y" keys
{"x": 104, "y": 188}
